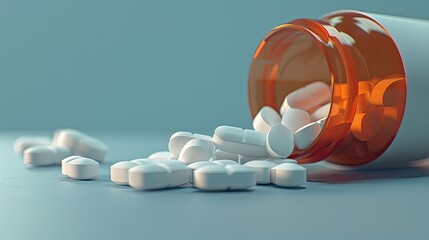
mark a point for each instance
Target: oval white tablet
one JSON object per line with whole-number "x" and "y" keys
{"x": 82, "y": 169}
{"x": 43, "y": 155}
{"x": 196, "y": 150}
{"x": 68, "y": 138}
{"x": 265, "y": 118}
{"x": 236, "y": 140}
{"x": 65, "y": 161}
{"x": 179, "y": 139}
{"x": 25, "y": 142}
{"x": 295, "y": 118}
{"x": 306, "y": 135}
{"x": 288, "y": 175}
{"x": 280, "y": 141}
{"x": 119, "y": 172}
{"x": 93, "y": 148}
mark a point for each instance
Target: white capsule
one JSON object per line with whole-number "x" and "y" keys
{"x": 265, "y": 118}
{"x": 119, "y": 172}
{"x": 162, "y": 155}
{"x": 25, "y": 142}
{"x": 65, "y": 161}
{"x": 306, "y": 135}
{"x": 196, "y": 150}
{"x": 82, "y": 169}
{"x": 307, "y": 97}
{"x": 158, "y": 176}
{"x": 295, "y": 118}
{"x": 93, "y": 148}
{"x": 215, "y": 177}
{"x": 219, "y": 154}
{"x": 321, "y": 112}
{"x": 280, "y": 141}
{"x": 236, "y": 140}
{"x": 179, "y": 139}
{"x": 288, "y": 175}
{"x": 43, "y": 155}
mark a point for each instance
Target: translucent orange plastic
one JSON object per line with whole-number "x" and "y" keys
{"x": 358, "y": 58}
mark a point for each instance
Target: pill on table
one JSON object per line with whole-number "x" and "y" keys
{"x": 265, "y": 118}
{"x": 179, "y": 139}
{"x": 25, "y": 142}
{"x": 93, "y": 148}
{"x": 262, "y": 169}
{"x": 158, "y": 176}
{"x": 162, "y": 155}
{"x": 280, "y": 141}
{"x": 194, "y": 166}
{"x": 80, "y": 144}
{"x": 68, "y": 138}
{"x": 236, "y": 140}
{"x": 119, "y": 171}
{"x": 219, "y": 154}
{"x": 218, "y": 178}
{"x": 307, "y": 97}
{"x": 65, "y": 161}
{"x": 82, "y": 168}
{"x": 295, "y": 118}
{"x": 196, "y": 150}
{"x": 43, "y": 155}
{"x": 288, "y": 175}
{"x": 306, "y": 135}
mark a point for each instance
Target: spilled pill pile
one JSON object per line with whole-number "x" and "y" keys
{"x": 232, "y": 159}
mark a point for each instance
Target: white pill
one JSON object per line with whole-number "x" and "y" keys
{"x": 25, "y": 142}
{"x": 158, "y": 176}
{"x": 263, "y": 169}
{"x": 119, "y": 172}
{"x": 219, "y": 154}
{"x": 179, "y": 139}
{"x": 82, "y": 168}
{"x": 265, "y": 118}
{"x": 43, "y": 155}
{"x": 236, "y": 140}
{"x": 92, "y": 148}
{"x": 295, "y": 118}
{"x": 196, "y": 150}
{"x": 244, "y": 159}
{"x": 321, "y": 122}
{"x": 67, "y": 138}
{"x": 194, "y": 166}
{"x": 321, "y": 112}
{"x": 65, "y": 161}
{"x": 280, "y": 141}
{"x": 230, "y": 177}
{"x": 162, "y": 155}
{"x": 288, "y": 175}
{"x": 307, "y": 97}
{"x": 306, "y": 135}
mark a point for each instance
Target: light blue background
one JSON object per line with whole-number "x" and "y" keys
{"x": 141, "y": 65}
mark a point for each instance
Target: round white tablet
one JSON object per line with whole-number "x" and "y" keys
{"x": 280, "y": 141}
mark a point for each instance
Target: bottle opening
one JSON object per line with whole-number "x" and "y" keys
{"x": 358, "y": 59}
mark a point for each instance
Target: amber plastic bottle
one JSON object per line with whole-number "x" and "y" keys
{"x": 377, "y": 69}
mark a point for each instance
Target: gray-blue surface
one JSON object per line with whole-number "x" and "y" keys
{"x": 147, "y": 65}
{"x": 40, "y": 203}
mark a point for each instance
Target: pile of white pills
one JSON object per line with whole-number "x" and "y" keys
{"x": 78, "y": 153}
{"x": 232, "y": 159}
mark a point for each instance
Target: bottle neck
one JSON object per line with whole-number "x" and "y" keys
{"x": 338, "y": 50}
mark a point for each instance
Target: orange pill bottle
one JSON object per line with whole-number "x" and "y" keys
{"x": 377, "y": 69}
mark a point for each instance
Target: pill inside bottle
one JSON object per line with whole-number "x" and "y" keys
{"x": 357, "y": 58}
